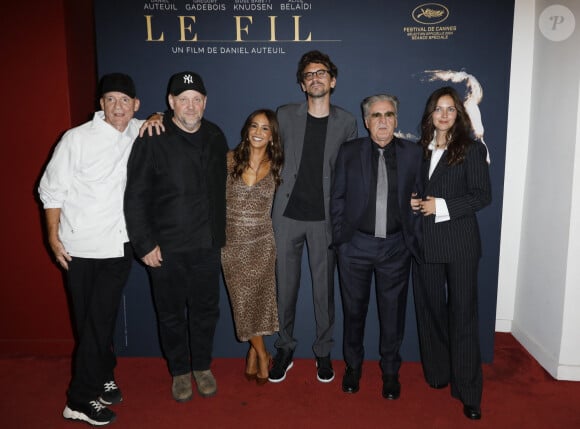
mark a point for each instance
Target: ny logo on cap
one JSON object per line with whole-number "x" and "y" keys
{"x": 187, "y": 78}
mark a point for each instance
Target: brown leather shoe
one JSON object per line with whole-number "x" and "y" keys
{"x": 206, "y": 384}
{"x": 181, "y": 388}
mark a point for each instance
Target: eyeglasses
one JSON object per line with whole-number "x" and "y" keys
{"x": 379, "y": 115}
{"x": 319, "y": 73}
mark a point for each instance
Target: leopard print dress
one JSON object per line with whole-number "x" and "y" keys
{"x": 249, "y": 257}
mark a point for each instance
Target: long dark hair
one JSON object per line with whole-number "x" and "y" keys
{"x": 458, "y": 136}
{"x": 274, "y": 150}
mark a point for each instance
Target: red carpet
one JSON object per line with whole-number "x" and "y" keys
{"x": 518, "y": 393}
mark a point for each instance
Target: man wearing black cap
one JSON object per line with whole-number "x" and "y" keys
{"x": 82, "y": 193}
{"x": 175, "y": 212}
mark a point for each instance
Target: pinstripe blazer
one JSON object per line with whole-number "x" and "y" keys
{"x": 466, "y": 188}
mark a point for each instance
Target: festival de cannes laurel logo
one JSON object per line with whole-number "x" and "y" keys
{"x": 430, "y": 13}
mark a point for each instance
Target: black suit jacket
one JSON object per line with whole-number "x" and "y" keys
{"x": 466, "y": 189}
{"x": 162, "y": 198}
{"x": 351, "y": 184}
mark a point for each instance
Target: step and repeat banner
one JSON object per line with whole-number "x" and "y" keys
{"x": 247, "y": 53}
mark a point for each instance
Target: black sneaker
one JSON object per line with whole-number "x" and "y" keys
{"x": 282, "y": 363}
{"x": 111, "y": 394}
{"x": 324, "y": 372}
{"x": 92, "y": 412}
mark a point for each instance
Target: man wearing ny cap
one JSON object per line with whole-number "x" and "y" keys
{"x": 175, "y": 211}
{"x": 82, "y": 192}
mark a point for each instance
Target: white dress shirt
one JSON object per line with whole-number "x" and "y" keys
{"x": 441, "y": 211}
{"x": 86, "y": 179}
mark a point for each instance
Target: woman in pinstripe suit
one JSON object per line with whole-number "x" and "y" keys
{"x": 457, "y": 185}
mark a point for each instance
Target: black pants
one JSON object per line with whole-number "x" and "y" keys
{"x": 186, "y": 292}
{"x": 447, "y": 321}
{"x": 95, "y": 287}
{"x": 390, "y": 261}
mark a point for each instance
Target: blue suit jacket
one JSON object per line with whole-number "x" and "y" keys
{"x": 350, "y": 189}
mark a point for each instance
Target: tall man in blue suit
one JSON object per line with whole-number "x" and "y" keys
{"x": 375, "y": 231}
{"x": 311, "y": 134}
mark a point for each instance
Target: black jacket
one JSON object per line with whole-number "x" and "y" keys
{"x": 466, "y": 189}
{"x": 350, "y": 189}
{"x": 175, "y": 193}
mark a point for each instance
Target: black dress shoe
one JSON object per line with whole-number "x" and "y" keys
{"x": 350, "y": 380}
{"x": 438, "y": 385}
{"x": 391, "y": 387}
{"x": 473, "y": 413}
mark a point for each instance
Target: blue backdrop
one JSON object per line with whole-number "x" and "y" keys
{"x": 247, "y": 52}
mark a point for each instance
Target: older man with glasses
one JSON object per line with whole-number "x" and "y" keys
{"x": 375, "y": 232}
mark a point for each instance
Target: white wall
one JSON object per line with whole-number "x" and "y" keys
{"x": 518, "y": 133}
{"x": 539, "y": 277}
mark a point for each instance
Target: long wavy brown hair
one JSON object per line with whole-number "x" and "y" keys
{"x": 274, "y": 150}
{"x": 458, "y": 136}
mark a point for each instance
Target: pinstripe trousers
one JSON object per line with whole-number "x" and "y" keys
{"x": 447, "y": 320}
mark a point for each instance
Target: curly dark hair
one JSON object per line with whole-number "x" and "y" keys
{"x": 458, "y": 136}
{"x": 316, "y": 57}
{"x": 274, "y": 150}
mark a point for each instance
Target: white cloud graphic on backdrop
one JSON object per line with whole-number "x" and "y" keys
{"x": 473, "y": 96}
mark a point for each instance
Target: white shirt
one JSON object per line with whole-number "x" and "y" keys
{"x": 86, "y": 179}
{"x": 441, "y": 210}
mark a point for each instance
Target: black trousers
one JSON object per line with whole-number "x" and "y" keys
{"x": 95, "y": 287}
{"x": 447, "y": 321}
{"x": 390, "y": 261}
{"x": 186, "y": 293}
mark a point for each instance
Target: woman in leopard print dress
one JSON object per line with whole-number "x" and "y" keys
{"x": 249, "y": 256}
